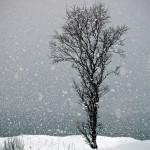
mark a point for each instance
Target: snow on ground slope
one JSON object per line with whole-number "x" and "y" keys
{"x": 42, "y": 142}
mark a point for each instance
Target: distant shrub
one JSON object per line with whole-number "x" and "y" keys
{"x": 13, "y": 144}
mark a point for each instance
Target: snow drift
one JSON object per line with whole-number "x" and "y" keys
{"x": 43, "y": 142}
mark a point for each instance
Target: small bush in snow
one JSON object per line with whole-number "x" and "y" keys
{"x": 13, "y": 144}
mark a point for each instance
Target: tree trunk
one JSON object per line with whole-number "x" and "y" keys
{"x": 94, "y": 143}
{"x": 94, "y": 132}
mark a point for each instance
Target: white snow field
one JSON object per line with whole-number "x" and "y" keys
{"x": 43, "y": 142}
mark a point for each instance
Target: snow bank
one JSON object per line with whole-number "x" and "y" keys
{"x": 43, "y": 142}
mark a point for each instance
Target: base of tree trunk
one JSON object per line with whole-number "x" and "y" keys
{"x": 93, "y": 145}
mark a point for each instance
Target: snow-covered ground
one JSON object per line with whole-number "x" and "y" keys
{"x": 42, "y": 142}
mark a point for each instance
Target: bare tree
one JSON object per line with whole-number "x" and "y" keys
{"x": 88, "y": 42}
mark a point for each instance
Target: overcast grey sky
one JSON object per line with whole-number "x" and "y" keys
{"x": 32, "y": 88}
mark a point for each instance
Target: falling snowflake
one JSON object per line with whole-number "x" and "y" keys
{"x": 16, "y": 76}
{"x": 123, "y": 71}
{"x": 36, "y": 74}
{"x": 53, "y": 68}
{"x": 113, "y": 90}
{"x": 21, "y": 68}
{"x": 40, "y": 96}
{"x": 64, "y": 92}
